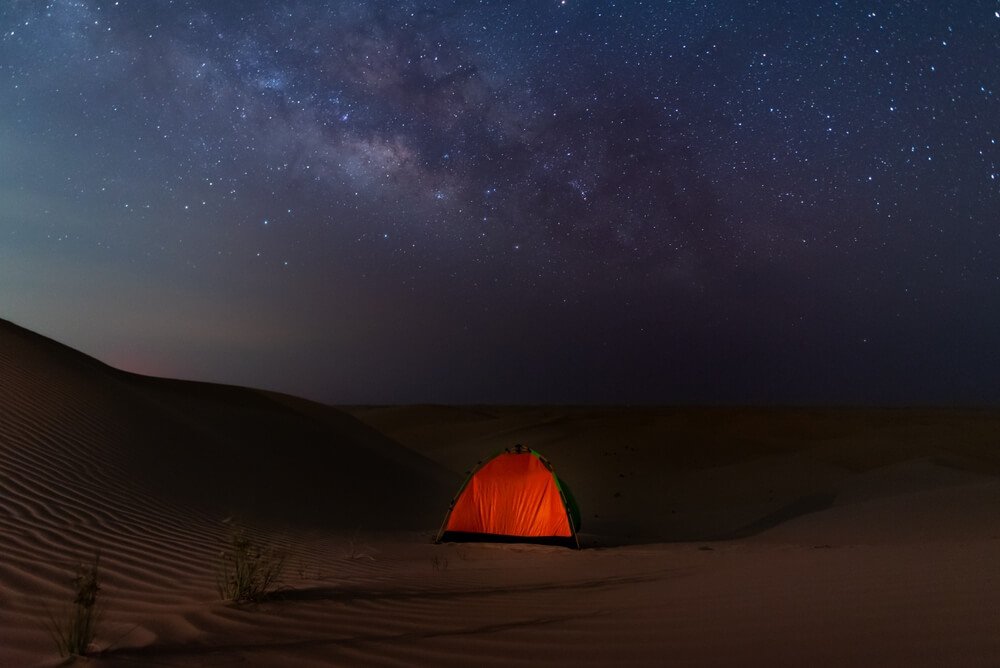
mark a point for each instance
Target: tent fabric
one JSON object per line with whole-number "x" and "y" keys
{"x": 515, "y": 494}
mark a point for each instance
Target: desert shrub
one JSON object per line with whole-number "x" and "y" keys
{"x": 249, "y": 571}
{"x": 74, "y": 630}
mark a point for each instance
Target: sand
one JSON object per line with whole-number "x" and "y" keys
{"x": 719, "y": 536}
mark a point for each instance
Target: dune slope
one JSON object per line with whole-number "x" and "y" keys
{"x": 143, "y": 470}
{"x": 225, "y": 449}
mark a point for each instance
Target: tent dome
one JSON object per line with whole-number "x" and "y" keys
{"x": 514, "y": 496}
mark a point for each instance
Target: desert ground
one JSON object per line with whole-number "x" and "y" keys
{"x": 711, "y": 536}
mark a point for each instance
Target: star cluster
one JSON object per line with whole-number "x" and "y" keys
{"x": 492, "y": 201}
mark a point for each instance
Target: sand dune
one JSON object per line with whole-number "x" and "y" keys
{"x": 143, "y": 470}
{"x": 716, "y": 536}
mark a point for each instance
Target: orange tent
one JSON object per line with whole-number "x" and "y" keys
{"x": 514, "y": 496}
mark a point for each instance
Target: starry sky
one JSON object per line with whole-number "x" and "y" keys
{"x": 488, "y": 201}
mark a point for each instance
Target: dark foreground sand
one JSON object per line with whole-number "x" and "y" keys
{"x": 715, "y": 536}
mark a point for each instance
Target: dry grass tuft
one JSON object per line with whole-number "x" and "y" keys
{"x": 74, "y": 631}
{"x": 249, "y": 570}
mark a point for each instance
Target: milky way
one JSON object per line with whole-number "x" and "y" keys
{"x": 570, "y": 201}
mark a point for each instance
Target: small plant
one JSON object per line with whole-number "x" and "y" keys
{"x": 74, "y": 633}
{"x": 249, "y": 571}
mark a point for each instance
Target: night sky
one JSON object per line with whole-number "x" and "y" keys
{"x": 617, "y": 202}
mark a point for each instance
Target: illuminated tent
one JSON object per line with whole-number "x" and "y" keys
{"x": 514, "y": 496}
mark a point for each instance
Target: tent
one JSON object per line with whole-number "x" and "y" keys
{"x": 514, "y": 496}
